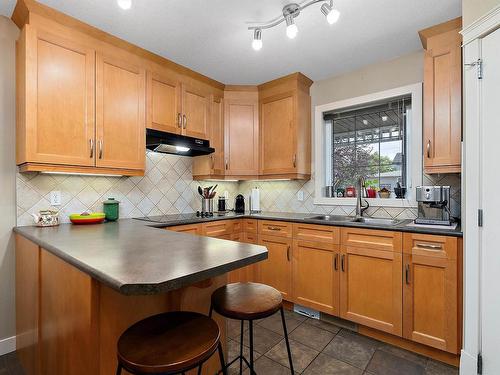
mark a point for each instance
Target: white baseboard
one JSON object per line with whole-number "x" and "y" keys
{"x": 468, "y": 364}
{"x": 7, "y": 345}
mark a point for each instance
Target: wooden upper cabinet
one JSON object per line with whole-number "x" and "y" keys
{"x": 431, "y": 291}
{"x": 442, "y": 97}
{"x": 241, "y": 113}
{"x": 371, "y": 279}
{"x": 120, "y": 113}
{"x": 164, "y": 103}
{"x": 195, "y": 111}
{"x": 285, "y": 127}
{"x": 56, "y": 99}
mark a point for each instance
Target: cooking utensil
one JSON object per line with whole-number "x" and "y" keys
{"x": 200, "y": 191}
{"x": 87, "y": 218}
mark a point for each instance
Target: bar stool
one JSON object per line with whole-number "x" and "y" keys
{"x": 249, "y": 301}
{"x": 169, "y": 343}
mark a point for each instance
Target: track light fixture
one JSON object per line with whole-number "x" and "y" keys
{"x": 289, "y": 13}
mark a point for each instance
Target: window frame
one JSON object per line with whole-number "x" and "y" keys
{"x": 413, "y": 146}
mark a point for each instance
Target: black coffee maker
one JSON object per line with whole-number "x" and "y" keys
{"x": 239, "y": 204}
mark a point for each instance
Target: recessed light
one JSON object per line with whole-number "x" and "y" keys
{"x": 384, "y": 118}
{"x": 365, "y": 122}
{"x": 124, "y": 4}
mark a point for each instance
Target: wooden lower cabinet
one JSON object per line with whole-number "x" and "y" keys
{"x": 189, "y": 228}
{"x": 316, "y": 275}
{"x": 431, "y": 291}
{"x": 276, "y": 270}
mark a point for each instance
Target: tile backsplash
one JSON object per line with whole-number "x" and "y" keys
{"x": 168, "y": 188}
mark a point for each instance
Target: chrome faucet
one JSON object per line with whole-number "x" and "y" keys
{"x": 359, "y": 206}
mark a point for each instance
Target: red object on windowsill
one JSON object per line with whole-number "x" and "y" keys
{"x": 350, "y": 191}
{"x": 371, "y": 193}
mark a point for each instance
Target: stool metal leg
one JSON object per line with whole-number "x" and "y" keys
{"x": 221, "y": 358}
{"x": 250, "y": 329}
{"x": 119, "y": 369}
{"x": 241, "y": 346}
{"x": 286, "y": 340}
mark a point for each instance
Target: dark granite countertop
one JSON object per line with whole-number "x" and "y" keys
{"x": 403, "y": 226}
{"x": 134, "y": 258}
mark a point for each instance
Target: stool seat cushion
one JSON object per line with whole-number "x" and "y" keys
{"x": 246, "y": 301}
{"x": 169, "y": 342}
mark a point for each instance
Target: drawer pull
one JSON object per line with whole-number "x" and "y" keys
{"x": 288, "y": 253}
{"x": 274, "y": 228}
{"x": 342, "y": 263}
{"x": 407, "y": 274}
{"x": 91, "y": 148}
{"x": 429, "y": 246}
{"x": 336, "y": 262}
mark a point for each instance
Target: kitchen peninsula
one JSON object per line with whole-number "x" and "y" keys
{"x": 84, "y": 285}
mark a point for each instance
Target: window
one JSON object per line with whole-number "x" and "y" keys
{"x": 377, "y": 136}
{"x": 369, "y": 142}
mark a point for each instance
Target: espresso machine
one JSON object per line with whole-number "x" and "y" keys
{"x": 433, "y": 205}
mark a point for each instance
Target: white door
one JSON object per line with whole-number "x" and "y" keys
{"x": 490, "y": 202}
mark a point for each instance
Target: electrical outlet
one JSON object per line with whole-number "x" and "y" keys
{"x": 55, "y": 198}
{"x": 300, "y": 196}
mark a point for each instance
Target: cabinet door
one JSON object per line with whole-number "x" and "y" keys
{"x": 443, "y": 103}
{"x": 276, "y": 270}
{"x": 120, "y": 114}
{"x": 218, "y": 228}
{"x": 217, "y": 135}
{"x": 316, "y": 275}
{"x": 279, "y": 135}
{"x": 371, "y": 288}
{"x": 195, "y": 109}
{"x": 59, "y": 100}
{"x": 189, "y": 228}
{"x": 241, "y": 137}
{"x": 430, "y": 292}
{"x": 163, "y": 112}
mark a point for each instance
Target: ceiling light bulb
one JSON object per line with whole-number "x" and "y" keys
{"x": 332, "y": 15}
{"x": 291, "y": 27}
{"x": 124, "y": 4}
{"x": 257, "y": 39}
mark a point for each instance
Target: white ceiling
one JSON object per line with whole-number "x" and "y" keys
{"x": 210, "y": 36}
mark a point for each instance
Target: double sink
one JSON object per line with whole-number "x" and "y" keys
{"x": 349, "y": 219}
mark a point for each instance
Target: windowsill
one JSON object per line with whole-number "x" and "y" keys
{"x": 374, "y": 202}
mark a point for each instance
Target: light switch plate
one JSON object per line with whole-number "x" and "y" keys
{"x": 300, "y": 196}
{"x": 55, "y": 198}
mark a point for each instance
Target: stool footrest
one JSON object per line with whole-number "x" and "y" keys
{"x": 229, "y": 364}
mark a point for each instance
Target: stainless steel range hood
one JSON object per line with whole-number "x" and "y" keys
{"x": 170, "y": 143}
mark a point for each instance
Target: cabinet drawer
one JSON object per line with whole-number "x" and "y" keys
{"x": 217, "y": 228}
{"x": 321, "y": 233}
{"x": 237, "y": 236}
{"x": 430, "y": 245}
{"x": 275, "y": 228}
{"x": 251, "y": 238}
{"x": 372, "y": 239}
{"x": 237, "y": 226}
{"x": 189, "y": 228}
{"x": 250, "y": 225}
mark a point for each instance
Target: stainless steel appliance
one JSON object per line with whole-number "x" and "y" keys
{"x": 433, "y": 205}
{"x": 239, "y": 204}
{"x": 169, "y": 143}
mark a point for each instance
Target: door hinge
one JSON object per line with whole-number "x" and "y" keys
{"x": 479, "y": 364}
{"x": 479, "y": 67}
{"x": 480, "y": 217}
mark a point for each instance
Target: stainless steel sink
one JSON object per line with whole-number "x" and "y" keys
{"x": 375, "y": 221}
{"x": 336, "y": 218}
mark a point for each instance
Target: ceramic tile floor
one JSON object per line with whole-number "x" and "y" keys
{"x": 318, "y": 348}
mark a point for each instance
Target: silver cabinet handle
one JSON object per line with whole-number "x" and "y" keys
{"x": 91, "y": 148}
{"x": 429, "y": 246}
{"x": 273, "y": 228}
{"x": 429, "y": 149}
{"x": 100, "y": 148}
{"x": 227, "y": 164}
{"x": 184, "y": 121}
{"x": 407, "y": 274}
{"x": 213, "y": 161}
{"x": 179, "y": 120}
{"x": 336, "y": 262}
{"x": 342, "y": 263}
{"x": 294, "y": 160}
{"x": 288, "y": 253}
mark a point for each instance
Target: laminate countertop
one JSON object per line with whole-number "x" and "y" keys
{"x": 136, "y": 259}
{"x": 405, "y": 225}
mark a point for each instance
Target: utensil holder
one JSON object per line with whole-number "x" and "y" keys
{"x": 207, "y": 205}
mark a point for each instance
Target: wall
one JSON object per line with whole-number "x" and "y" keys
{"x": 8, "y": 36}
{"x": 402, "y": 71}
{"x": 474, "y": 9}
